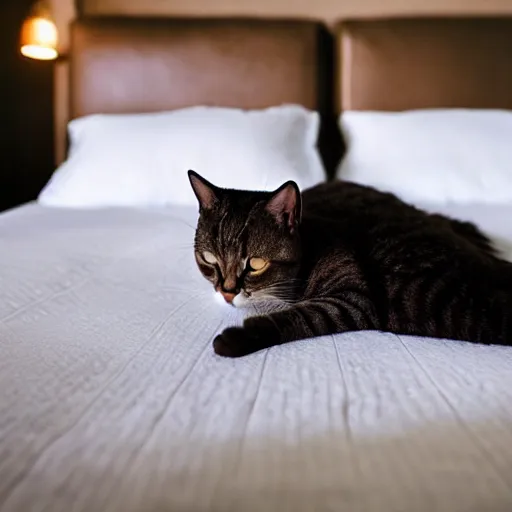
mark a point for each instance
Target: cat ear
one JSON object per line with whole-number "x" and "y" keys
{"x": 285, "y": 205}
{"x": 203, "y": 189}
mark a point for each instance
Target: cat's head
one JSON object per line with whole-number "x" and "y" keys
{"x": 247, "y": 243}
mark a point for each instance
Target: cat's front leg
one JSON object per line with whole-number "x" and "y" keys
{"x": 312, "y": 318}
{"x": 256, "y": 334}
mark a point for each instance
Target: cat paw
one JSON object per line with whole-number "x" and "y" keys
{"x": 256, "y": 334}
{"x": 234, "y": 342}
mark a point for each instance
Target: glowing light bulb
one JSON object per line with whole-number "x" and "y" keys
{"x": 39, "y": 35}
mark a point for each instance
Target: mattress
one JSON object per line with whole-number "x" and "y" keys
{"x": 112, "y": 400}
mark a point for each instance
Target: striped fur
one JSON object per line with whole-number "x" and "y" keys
{"x": 362, "y": 260}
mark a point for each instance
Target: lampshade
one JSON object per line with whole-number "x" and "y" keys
{"x": 39, "y": 34}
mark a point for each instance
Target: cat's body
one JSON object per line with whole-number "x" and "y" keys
{"x": 358, "y": 259}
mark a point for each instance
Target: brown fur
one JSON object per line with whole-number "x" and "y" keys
{"x": 347, "y": 257}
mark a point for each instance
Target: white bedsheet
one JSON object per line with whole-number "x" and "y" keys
{"x": 111, "y": 398}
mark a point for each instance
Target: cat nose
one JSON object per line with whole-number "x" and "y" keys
{"x": 228, "y": 296}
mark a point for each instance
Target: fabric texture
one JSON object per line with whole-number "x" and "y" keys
{"x": 397, "y": 63}
{"x": 143, "y": 159}
{"x": 111, "y": 397}
{"x": 435, "y": 155}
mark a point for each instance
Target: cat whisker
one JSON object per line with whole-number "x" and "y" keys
{"x": 281, "y": 285}
{"x": 185, "y": 223}
{"x": 189, "y": 247}
{"x": 277, "y": 293}
{"x": 275, "y": 296}
{"x": 268, "y": 306}
{"x": 284, "y": 286}
{"x": 292, "y": 281}
{"x": 267, "y": 298}
{"x": 280, "y": 292}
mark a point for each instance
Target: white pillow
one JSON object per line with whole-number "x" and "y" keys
{"x": 143, "y": 159}
{"x": 438, "y": 155}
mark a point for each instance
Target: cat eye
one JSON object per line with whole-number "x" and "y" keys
{"x": 257, "y": 266}
{"x": 209, "y": 257}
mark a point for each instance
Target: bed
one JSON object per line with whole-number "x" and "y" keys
{"x": 111, "y": 398}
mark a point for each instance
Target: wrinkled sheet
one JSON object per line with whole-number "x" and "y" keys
{"x": 112, "y": 400}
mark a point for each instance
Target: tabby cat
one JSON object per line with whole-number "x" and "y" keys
{"x": 345, "y": 257}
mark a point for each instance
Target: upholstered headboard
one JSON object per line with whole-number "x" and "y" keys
{"x": 130, "y": 65}
{"x": 402, "y": 63}
{"x": 122, "y": 65}
{"x": 148, "y": 64}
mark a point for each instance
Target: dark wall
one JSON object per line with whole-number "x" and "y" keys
{"x": 26, "y": 107}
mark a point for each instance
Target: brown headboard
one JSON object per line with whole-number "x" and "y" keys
{"x": 121, "y": 65}
{"x": 401, "y": 64}
{"x": 135, "y": 65}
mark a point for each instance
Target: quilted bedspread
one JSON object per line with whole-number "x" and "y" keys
{"x": 112, "y": 400}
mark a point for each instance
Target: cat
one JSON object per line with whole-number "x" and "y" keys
{"x": 345, "y": 257}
